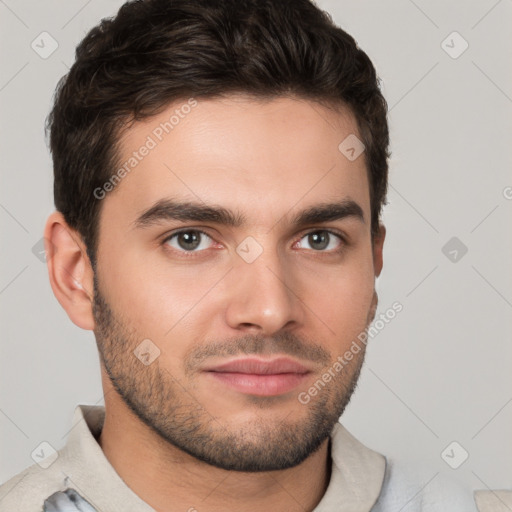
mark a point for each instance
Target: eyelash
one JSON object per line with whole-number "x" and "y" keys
{"x": 192, "y": 254}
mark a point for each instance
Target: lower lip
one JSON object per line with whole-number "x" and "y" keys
{"x": 261, "y": 385}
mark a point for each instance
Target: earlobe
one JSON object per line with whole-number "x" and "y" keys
{"x": 373, "y": 308}
{"x": 70, "y": 271}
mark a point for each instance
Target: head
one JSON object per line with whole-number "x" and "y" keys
{"x": 207, "y": 209}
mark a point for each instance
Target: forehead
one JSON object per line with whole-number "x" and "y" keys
{"x": 263, "y": 157}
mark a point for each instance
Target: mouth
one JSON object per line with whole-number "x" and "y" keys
{"x": 260, "y": 377}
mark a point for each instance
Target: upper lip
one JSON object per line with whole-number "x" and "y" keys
{"x": 260, "y": 366}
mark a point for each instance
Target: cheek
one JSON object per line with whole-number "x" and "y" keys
{"x": 344, "y": 308}
{"x": 343, "y": 304}
{"x": 162, "y": 300}
{"x": 153, "y": 296}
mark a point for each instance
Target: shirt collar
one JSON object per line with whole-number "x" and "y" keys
{"x": 91, "y": 474}
{"x": 357, "y": 475}
{"x": 357, "y": 472}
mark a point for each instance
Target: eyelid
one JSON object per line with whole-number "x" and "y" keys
{"x": 168, "y": 236}
{"x": 332, "y": 231}
{"x": 340, "y": 234}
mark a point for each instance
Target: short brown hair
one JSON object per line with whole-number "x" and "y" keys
{"x": 154, "y": 52}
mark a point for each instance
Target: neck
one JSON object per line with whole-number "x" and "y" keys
{"x": 170, "y": 480}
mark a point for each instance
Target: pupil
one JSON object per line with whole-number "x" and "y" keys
{"x": 190, "y": 239}
{"x": 319, "y": 237}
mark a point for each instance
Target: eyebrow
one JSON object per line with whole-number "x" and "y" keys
{"x": 171, "y": 209}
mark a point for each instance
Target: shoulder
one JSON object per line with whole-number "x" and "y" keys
{"x": 494, "y": 501}
{"x": 26, "y": 491}
{"x": 416, "y": 488}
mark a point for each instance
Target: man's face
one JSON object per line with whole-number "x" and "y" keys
{"x": 262, "y": 288}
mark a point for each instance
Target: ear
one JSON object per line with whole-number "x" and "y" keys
{"x": 70, "y": 270}
{"x": 378, "y": 245}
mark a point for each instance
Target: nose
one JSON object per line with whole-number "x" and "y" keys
{"x": 264, "y": 296}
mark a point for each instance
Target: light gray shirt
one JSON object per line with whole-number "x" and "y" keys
{"x": 79, "y": 478}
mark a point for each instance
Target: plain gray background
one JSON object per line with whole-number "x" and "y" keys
{"x": 437, "y": 373}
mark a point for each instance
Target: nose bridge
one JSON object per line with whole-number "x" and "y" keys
{"x": 262, "y": 290}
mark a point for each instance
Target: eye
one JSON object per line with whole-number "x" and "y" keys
{"x": 323, "y": 239}
{"x": 194, "y": 241}
{"x": 188, "y": 240}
